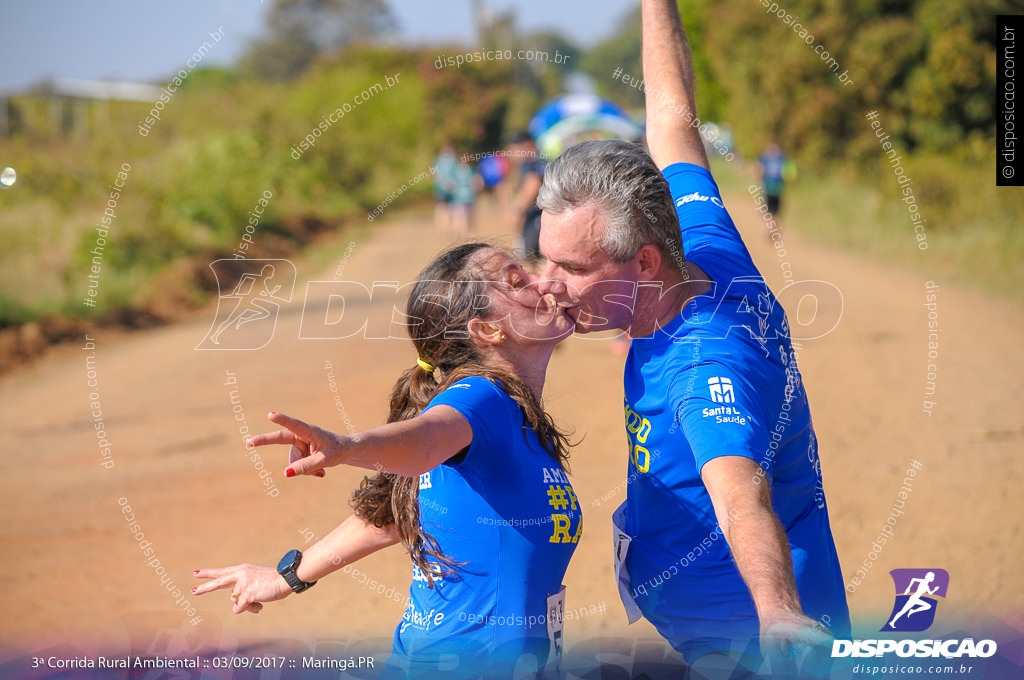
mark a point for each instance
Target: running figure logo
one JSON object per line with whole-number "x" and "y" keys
{"x": 916, "y": 590}
{"x": 247, "y": 310}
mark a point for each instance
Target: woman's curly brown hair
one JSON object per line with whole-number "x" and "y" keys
{"x": 441, "y": 305}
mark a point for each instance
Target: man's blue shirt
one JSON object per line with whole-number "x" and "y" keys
{"x": 721, "y": 379}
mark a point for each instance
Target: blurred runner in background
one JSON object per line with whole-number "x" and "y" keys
{"x": 775, "y": 170}
{"x": 465, "y": 184}
{"x": 443, "y": 186}
{"x": 524, "y": 210}
{"x": 493, "y": 170}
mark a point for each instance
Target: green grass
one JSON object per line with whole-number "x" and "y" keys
{"x": 968, "y": 245}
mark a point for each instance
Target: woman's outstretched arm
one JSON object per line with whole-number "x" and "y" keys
{"x": 352, "y": 540}
{"x": 406, "y": 447}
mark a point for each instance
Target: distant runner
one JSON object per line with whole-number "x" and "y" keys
{"x": 465, "y": 184}
{"x": 774, "y": 170}
{"x": 524, "y": 208}
{"x": 444, "y": 185}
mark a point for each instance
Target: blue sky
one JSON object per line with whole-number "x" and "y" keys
{"x": 145, "y": 40}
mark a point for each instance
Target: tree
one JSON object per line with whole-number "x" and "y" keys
{"x": 541, "y": 74}
{"x": 621, "y": 50}
{"x": 299, "y": 30}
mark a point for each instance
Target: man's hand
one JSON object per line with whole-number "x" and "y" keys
{"x": 788, "y": 635}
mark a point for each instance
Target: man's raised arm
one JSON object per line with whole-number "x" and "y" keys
{"x": 669, "y": 82}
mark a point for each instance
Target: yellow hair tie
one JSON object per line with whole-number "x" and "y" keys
{"x": 425, "y": 365}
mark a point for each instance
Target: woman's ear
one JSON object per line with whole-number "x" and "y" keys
{"x": 485, "y": 332}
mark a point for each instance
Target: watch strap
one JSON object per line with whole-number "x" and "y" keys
{"x": 297, "y": 584}
{"x": 291, "y": 578}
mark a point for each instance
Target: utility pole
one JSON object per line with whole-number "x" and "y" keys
{"x": 478, "y": 21}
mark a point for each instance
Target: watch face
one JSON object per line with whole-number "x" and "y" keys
{"x": 289, "y": 561}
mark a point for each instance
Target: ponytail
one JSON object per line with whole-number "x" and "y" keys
{"x": 387, "y": 499}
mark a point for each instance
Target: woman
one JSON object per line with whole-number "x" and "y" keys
{"x": 467, "y": 183}
{"x": 480, "y": 500}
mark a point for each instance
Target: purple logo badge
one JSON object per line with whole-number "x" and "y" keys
{"x": 916, "y": 593}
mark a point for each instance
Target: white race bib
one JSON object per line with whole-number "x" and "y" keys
{"x": 622, "y": 541}
{"x": 555, "y": 615}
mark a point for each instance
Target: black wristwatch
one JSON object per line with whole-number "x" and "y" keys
{"x": 286, "y": 568}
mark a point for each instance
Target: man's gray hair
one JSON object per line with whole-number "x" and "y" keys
{"x": 622, "y": 178}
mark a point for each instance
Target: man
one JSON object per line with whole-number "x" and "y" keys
{"x": 774, "y": 166}
{"x": 524, "y": 212}
{"x": 721, "y": 441}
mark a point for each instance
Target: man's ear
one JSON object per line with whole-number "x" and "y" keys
{"x": 485, "y": 332}
{"x": 648, "y": 263}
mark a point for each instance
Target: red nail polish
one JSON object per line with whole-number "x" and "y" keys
{"x": 195, "y": 573}
{"x": 320, "y": 473}
{"x": 289, "y": 472}
{"x": 194, "y": 590}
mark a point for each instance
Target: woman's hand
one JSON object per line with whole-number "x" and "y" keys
{"x": 313, "y": 448}
{"x": 250, "y": 585}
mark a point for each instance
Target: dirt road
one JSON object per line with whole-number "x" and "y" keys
{"x": 78, "y": 576}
